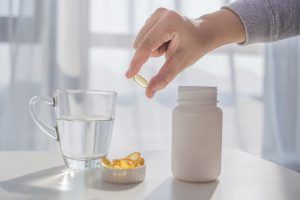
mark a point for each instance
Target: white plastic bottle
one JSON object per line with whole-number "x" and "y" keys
{"x": 197, "y": 135}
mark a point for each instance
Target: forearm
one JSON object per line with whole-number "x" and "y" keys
{"x": 268, "y": 20}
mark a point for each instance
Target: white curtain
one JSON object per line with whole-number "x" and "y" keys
{"x": 35, "y": 59}
{"x": 282, "y": 103}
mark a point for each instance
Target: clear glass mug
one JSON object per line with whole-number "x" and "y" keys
{"x": 84, "y": 123}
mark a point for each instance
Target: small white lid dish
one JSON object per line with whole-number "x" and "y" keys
{"x": 123, "y": 176}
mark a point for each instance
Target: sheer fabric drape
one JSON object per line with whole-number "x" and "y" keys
{"x": 282, "y": 103}
{"x": 33, "y": 63}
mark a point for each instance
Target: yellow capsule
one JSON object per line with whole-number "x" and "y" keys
{"x": 128, "y": 160}
{"x": 134, "y": 156}
{"x": 140, "y": 80}
{"x": 116, "y": 163}
{"x": 139, "y": 162}
{"x": 126, "y": 164}
{"x": 131, "y": 161}
{"x": 106, "y": 161}
{"x": 117, "y": 167}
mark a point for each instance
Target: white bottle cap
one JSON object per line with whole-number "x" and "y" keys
{"x": 203, "y": 94}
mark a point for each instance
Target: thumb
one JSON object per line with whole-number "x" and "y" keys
{"x": 166, "y": 74}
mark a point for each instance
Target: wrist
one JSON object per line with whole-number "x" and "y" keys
{"x": 223, "y": 27}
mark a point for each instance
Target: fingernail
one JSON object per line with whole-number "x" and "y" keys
{"x": 154, "y": 90}
{"x": 127, "y": 73}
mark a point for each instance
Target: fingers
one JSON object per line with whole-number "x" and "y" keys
{"x": 160, "y": 33}
{"x": 153, "y": 19}
{"x": 161, "y": 50}
{"x": 156, "y": 37}
{"x": 141, "y": 56}
{"x": 166, "y": 74}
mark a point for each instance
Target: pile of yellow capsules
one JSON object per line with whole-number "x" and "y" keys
{"x": 131, "y": 161}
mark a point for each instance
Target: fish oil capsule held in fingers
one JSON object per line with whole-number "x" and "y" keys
{"x": 140, "y": 80}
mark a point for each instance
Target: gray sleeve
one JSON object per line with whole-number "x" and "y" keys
{"x": 268, "y": 20}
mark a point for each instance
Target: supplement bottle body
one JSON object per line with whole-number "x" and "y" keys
{"x": 197, "y": 135}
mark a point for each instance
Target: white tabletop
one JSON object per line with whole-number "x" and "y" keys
{"x": 41, "y": 175}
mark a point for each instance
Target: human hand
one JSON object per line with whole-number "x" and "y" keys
{"x": 182, "y": 40}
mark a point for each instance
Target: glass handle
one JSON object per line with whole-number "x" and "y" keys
{"x": 34, "y": 101}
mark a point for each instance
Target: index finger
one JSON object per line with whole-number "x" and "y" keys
{"x": 158, "y": 35}
{"x": 153, "y": 19}
{"x": 141, "y": 56}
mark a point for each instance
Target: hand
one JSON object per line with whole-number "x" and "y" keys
{"x": 182, "y": 40}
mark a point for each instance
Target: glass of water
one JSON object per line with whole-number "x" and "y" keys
{"x": 84, "y": 123}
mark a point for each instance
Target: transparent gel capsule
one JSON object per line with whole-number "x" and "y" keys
{"x": 134, "y": 156}
{"x": 133, "y": 160}
{"x": 140, "y": 80}
{"x": 126, "y": 164}
{"x": 116, "y": 163}
{"x": 106, "y": 162}
{"x": 139, "y": 162}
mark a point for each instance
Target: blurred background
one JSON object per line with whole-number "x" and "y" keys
{"x": 87, "y": 44}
